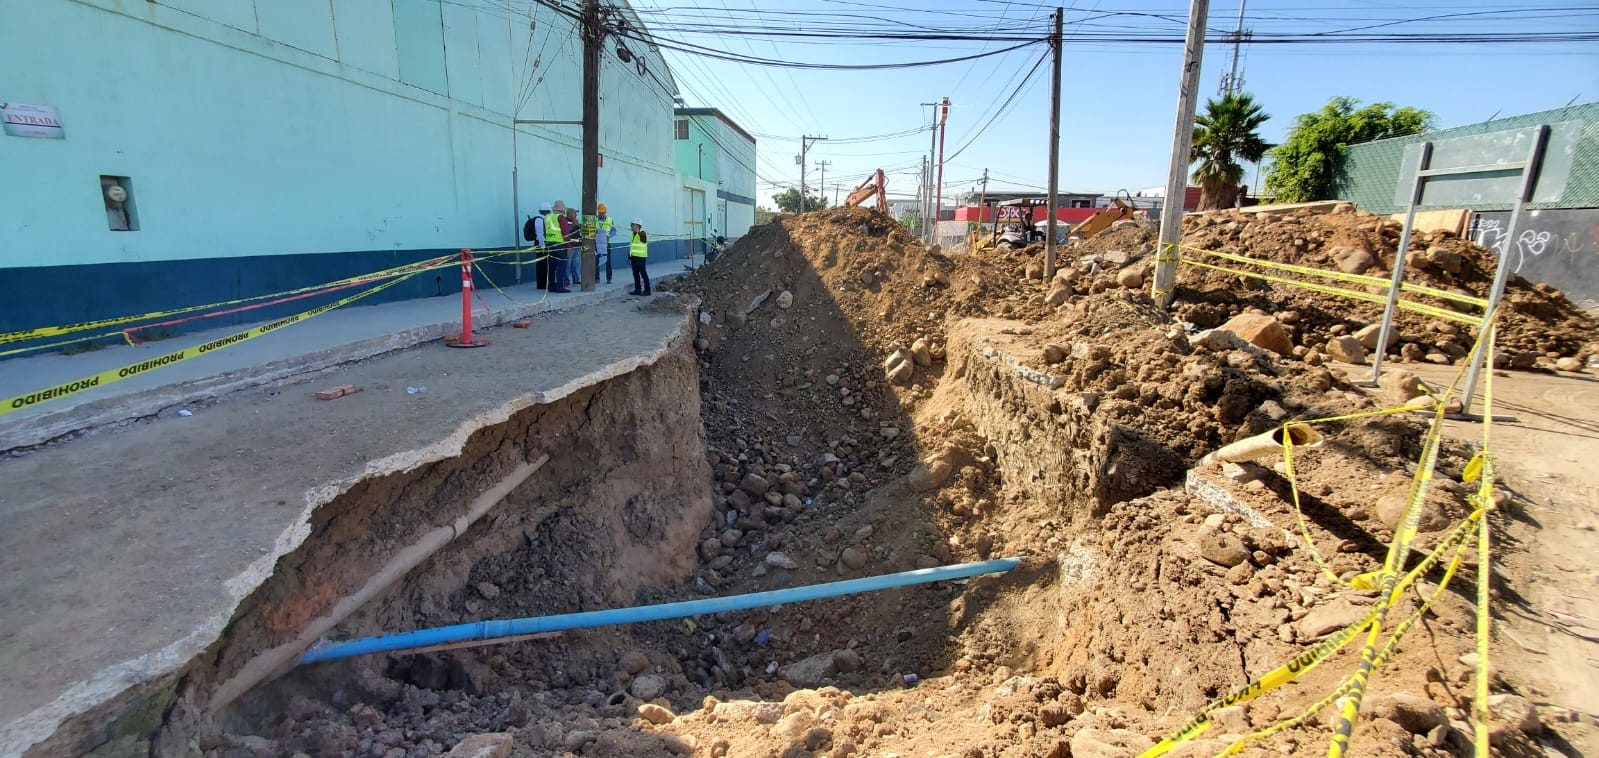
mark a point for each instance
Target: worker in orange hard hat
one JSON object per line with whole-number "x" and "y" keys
{"x": 603, "y": 228}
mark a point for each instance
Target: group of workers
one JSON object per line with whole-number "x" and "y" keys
{"x": 558, "y": 233}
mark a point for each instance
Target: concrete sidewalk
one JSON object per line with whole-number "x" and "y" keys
{"x": 126, "y": 553}
{"x": 345, "y": 335}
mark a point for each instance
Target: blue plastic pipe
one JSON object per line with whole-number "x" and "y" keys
{"x": 494, "y": 629}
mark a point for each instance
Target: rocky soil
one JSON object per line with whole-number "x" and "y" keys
{"x": 870, "y": 407}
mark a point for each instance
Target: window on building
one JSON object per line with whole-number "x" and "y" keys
{"x": 117, "y": 192}
{"x": 682, "y": 128}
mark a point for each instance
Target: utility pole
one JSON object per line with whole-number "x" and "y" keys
{"x": 805, "y": 147}
{"x": 938, "y": 191}
{"x": 593, "y": 38}
{"x": 1230, "y": 81}
{"x": 982, "y": 209}
{"x": 922, "y": 190}
{"x": 927, "y": 173}
{"x": 822, "y": 180}
{"x": 836, "y": 189}
{"x": 1171, "y": 213}
{"x": 1056, "y": 43}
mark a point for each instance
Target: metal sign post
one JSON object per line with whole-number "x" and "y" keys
{"x": 1529, "y": 174}
{"x": 1515, "y": 166}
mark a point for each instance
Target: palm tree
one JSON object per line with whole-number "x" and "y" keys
{"x": 1225, "y": 134}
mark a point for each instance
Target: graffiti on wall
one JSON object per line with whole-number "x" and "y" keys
{"x": 1557, "y": 247}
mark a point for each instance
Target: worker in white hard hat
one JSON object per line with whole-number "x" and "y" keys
{"x": 638, "y": 250}
{"x": 604, "y": 231}
{"x": 556, "y": 245}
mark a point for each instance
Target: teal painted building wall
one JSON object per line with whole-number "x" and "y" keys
{"x": 271, "y": 144}
{"x": 716, "y": 156}
{"x": 1370, "y": 172}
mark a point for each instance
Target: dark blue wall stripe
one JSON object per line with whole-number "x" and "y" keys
{"x": 58, "y": 295}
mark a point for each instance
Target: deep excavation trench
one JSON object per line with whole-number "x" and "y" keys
{"x": 774, "y": 452}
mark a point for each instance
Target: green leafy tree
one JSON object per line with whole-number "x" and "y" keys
{"x": 764, "y": 215}
{"x": 789, "y": 201}
{"x": 1225, "y": 135}
{"x": 1306, "y": 166}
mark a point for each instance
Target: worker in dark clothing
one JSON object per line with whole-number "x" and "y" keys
{"x": 573, "y": 229}
{"x": 533, "y": 232}
{"x": 638, "y": 250}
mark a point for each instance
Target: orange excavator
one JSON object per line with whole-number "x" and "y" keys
{"x": 874, "y": 186}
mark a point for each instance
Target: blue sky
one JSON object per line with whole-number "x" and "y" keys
{"x": 1119, "y": 98}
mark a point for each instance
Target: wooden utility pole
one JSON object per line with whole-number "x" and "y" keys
{"x": 822, "y": 180}
{"x": 1056, "y": 43}
{"x": 1171, "y": 213}
{"x": 593, "y": 37}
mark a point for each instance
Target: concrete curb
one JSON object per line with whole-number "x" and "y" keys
{"x": 20, "y": 434}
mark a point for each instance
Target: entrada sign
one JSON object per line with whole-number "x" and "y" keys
{"x": 23, "y": 120}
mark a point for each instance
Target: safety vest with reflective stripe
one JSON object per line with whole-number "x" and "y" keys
{"x": 552, "y": 229}
{"x": 638, "y": 248}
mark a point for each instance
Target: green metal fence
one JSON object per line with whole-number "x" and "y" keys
{"x": 1370, "y": 171}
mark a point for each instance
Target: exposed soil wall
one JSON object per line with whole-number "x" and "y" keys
{"x": 614, "y": 507}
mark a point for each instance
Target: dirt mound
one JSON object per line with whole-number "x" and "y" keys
{"x": 1537, "y": 323}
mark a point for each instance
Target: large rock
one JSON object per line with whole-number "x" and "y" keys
{"x": 1262, "y": 331}
{"x": 648, "y": 687}
{"x": 1329, "y": 617}
{"x": 1346, "y": 349}
{"x": 921, "y": 352}
{"x": 1569, "y": 364}
{"x": 809, "y": 672}
{"x": 929, "y": 475}
{"x": 493, "y": 745}
{"x": 1109, "y": 743}
{"x": 1391, "y": 507}
{"x": 1369, "y": 334}
{"x": 1514, "y": 711}
{"x": 1352, "y": 260}
{"x": 1402, "y": 386}
{"x": 1059, "y": 294}
{"x": 747, "y": 710}
{"x": 655, "y": 714}
{"x": 1222, "y": 548}
{"x": 1131, "y": 277}
{"x": 1417, "y": 714}
{"x": 853, "y": 558}
{"x": 755, "y": 484}
{"x": 785, "y": 300}
{"x": 1216, "y": 340}
{"x": 899, "y": 367}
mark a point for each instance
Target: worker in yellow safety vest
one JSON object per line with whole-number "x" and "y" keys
{"x": 555, "y": 248}
{"x": 604, "y": 230}
{"x": 638, "y": 250}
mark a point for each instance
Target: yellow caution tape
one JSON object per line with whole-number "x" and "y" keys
{"x": 133, "y": 369}
{"x": 52, "y": 331}
{"x": 1349, "y": 713}
{"x": 1427, "y": 310}
{"x": 1485, "y": 491}
{"x": 1343, "y": 277}
{"x": 1294, "y": 667}
{"x": 1460, "y": 540}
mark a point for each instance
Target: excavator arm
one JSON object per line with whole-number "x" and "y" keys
{"x": 874, "y": 186}
{"x": 1102, "y": 220}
